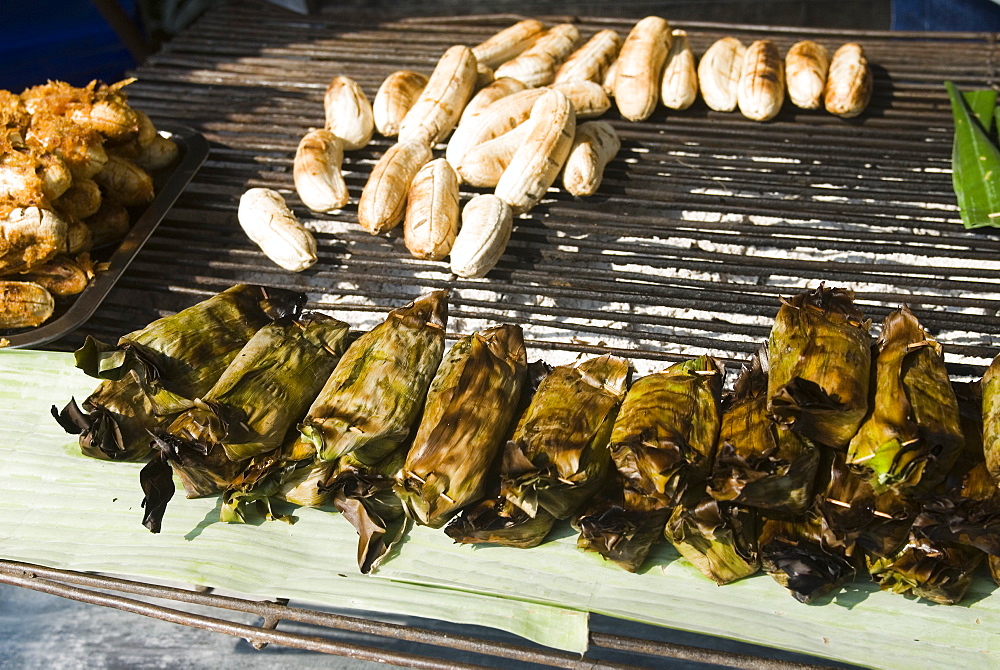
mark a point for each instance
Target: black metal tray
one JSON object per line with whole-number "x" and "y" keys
{"x": 170, "y": 183}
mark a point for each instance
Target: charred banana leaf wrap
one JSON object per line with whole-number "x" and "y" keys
{"x": 759, "y": 462}
{"x": 374, "y": 396}
{"x": 805, "y": 556}
{"x": 266, "y": 389}
{"x": 156, "y": 372}
{"x": 719, "y": 538}
{"x": 495, "y": 520}
{"x": 876, "y": 524}
{"x": 470, "y": 406}
{"x": 558, "y": 455}
{"x": 819, "y": 353}
{"x": 912, "y": 436}
{"x": 990, "y": 386}
{"x": 662, "y": 443}
{"x": 250, "y": 409}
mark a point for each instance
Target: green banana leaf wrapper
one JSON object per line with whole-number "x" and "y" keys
{"x": 990, "y": 386}
{"x": 376, "y": 392}
{"x": 937, "y": 571}
{"x": 719, "y": 538}
{"x": 621, "y": 535}
{"x": 251, "y": 408}
{"x": 115, "y": 421}
{"x": 471, "y": 404}
{"x": 662, "y": 443}
{"x": 267, "y": 388}
{"x": 255, "y": 486}
{"x": 877, "y": 523}
{"x": 913, "y": 435}
{"x": 758, "y": 462}
{"x": 154, "y": 373}
{"x": 819, "y": 354}
{"x": 364, "y": 495}
{"x": 558, "y": 455}
{"x": 806, "y": 557}
{"x": 495, "y": 520}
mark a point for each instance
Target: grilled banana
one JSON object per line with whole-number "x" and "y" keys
{"x": 640, "y": 68}
{"x": 383, "y": 200}
{"x": 595, "y": 145}
{"x": 484, "y": 164}
{"x": 849, "y": 82}
{"x": 440, "y": 104}
{"x": 394, "y": 98}
{"x": 719, "y": 74}
{"x": 508, "y": 43}
{"x": 432, "y": 211}
{"x": 538, "y": 161}
{"x": 806, "y": 65}
{"x": 679, "y": 88}
{"x": 537, "y": 65}
{"x": 591, "y": 61}
{"x": 761, "y": 90}
{"x": 316, "y": 170}
{"x": 486, "y": 224}
{"x": 269, "y": 223}
{"x": 348, "y": 113}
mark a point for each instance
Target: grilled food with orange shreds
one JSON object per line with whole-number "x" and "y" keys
{"x": 819, "y": 352}
{"x": 470, "y": 406}
{"x": 662, "y": 444}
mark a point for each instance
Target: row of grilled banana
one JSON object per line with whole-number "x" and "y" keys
{"x": 511, "y": 106}
{"x": 72, "y": 161}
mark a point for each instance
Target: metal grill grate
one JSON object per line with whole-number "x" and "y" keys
{"x": 702, "y": 222}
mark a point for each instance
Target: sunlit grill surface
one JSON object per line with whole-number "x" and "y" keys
{"x": 703, "y": 221}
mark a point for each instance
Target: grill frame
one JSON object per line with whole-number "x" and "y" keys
{"x": 200, "y": 73}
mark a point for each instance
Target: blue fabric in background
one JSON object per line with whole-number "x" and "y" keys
{"x": 975, "y": 15}
{"x": 67, "y": 40}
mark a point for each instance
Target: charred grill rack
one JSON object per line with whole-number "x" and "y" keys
{"x": 702, "y": 223}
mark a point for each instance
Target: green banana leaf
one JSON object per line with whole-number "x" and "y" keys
{"x": 65, "y": 510}
{"x": 975, "y": 158}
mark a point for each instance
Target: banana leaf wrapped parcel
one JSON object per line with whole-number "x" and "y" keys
{"x": 806, "y": 557}
{"x": 558, "y": 455}
{"x": 252, "y": 407}
{"x": 990, "y": 388}
{"x": 912, "y": 436}
{"x": 494, "y": 519}
{"x": 470, "y": 405}
{"x": 759, "y": 462}
{"x": 154, "y": 373}
{"x": 937, "y": 571}
{"x": 266, "y": 389}
{"x": 877, "y": 524}
{"x": 355, "y": 435}
{"x": 375, "y": 394}
{"x": 819, "y": 354}
{"x": 662, "y": 444}
{"x": 183, "y": 354}
{"x": 363, "y": 493}
{"x": 718, "y": 538}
